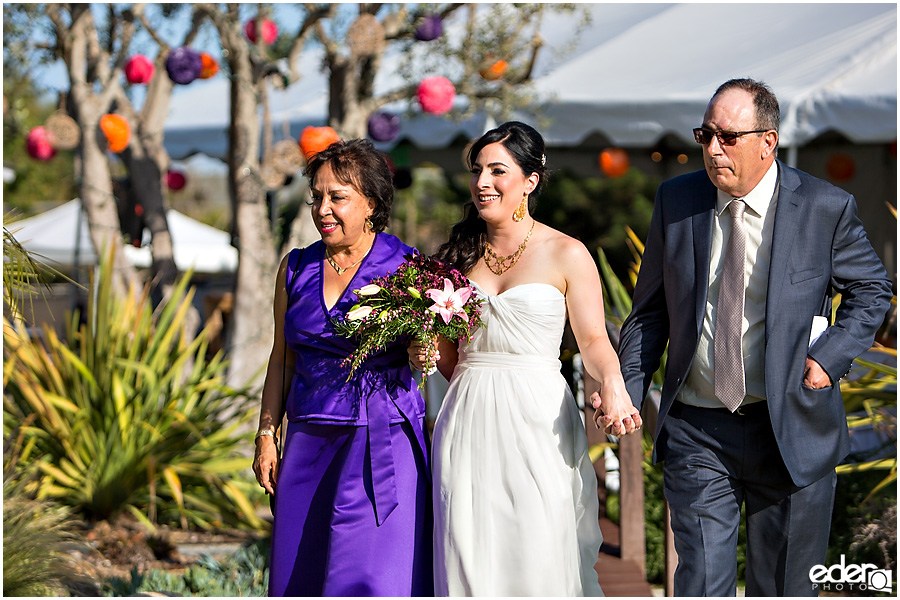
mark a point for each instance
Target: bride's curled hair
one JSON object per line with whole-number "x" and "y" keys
{"x": 467, "y": 238}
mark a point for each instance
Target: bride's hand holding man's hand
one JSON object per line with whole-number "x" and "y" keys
{"x": 613, "y": 410}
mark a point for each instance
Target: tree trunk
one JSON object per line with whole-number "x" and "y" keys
{"x": 147, "y": 159}
{"x": 252, "y": 326}
{"x": 100, "y": 207}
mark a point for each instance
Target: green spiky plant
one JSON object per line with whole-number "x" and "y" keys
{"x": 130, "y": 415}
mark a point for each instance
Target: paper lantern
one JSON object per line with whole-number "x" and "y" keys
{"x": 183, "y": 65}
{"x": 287, "y": 157}
{"x": 366, "y": 36}
{"x": 269, "y": 31}
{"x": 116, "y": 130}
{"x": 139, "y": 69}
{"x": 840, "y": 167}
{"x": 175, "y": 180}
{"x": 436, "y": 95}
{"x": 316, "y": 139}
{"x": 37, "y": 144}
{"x": 383, "y": 127}
{"x": 209, "y": 66}
{"x": 430, "y": 28}
{"x": 62, "y": 131}
{"x": 614, "y": 162}
{"x": 494, "y": 71}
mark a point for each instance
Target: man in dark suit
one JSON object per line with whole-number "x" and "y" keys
{"x": 751, "y": 411}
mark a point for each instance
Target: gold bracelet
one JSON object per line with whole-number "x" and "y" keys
{"x": 264, "y": 433}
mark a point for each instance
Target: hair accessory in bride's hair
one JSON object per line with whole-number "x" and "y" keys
{"x": 543, "y": 160}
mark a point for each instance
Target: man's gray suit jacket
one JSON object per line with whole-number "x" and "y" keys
{"x": 819, "y": 246}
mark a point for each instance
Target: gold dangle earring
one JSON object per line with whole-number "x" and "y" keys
{"x": 522, "y": 209}
{"x": 369, "y": 224}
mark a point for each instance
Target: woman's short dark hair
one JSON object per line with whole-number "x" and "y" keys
{"x": 358, "y": 164}
{"x": 526, "y": 146}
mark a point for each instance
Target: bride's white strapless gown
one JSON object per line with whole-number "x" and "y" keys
{"x": 515, "y": 494}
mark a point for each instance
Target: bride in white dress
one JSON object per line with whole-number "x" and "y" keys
{"x": 515, "y": 494}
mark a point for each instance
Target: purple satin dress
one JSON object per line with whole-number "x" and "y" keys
{"x": 352, "y": 505}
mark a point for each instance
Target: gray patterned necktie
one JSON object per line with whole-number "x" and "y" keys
{"x": 728, "y": 360}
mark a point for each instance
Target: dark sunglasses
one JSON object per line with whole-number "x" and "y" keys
{"x": 726, "y": 138}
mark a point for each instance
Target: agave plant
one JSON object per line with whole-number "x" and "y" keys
{"x": 129, "y": 414}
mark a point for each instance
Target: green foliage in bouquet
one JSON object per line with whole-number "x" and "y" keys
{"x": 422, "y": 299}
{"x": 130, "y": 415}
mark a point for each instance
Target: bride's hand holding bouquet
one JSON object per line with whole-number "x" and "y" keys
{"x": 422, "y": 299}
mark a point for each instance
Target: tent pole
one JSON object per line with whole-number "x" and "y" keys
{"x": 792, "y": 157}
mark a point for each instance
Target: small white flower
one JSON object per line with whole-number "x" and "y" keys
{"x": 368, "y": 290}
{"x": 361, "y": 312}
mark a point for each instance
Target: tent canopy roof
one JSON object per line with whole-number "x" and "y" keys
{"x": 641, "y": 72}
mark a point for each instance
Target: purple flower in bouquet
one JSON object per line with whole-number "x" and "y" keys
{"x": 419, "y": 300}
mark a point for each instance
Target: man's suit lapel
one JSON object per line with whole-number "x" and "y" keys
{"x": 787, "y": 222}
{"x": 702, "y": 227}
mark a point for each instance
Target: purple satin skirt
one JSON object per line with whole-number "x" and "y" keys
{"x": 325, "y": 539}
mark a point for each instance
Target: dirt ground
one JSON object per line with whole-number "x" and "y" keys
{"x": 112, "y": 549}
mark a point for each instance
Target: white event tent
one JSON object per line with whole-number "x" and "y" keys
{"x": 60, "y": 237}
{"x": 641, "y": 72}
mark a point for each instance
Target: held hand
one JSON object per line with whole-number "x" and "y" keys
{"x": 814, "y": 376}
{"x": 613, "y": 410}
{"x": 418, "y": 356}
{"x": 265, "y": 463}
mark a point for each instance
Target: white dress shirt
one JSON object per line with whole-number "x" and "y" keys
{"x": 759, "y": 221}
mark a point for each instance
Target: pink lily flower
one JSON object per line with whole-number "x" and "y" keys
{"x": 449, "y": 302}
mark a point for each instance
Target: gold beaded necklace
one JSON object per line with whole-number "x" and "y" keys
{"x": 502, "y": 264}
{"x": 341, "y": 270}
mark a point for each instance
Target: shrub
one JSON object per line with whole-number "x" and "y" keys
{"x": 37, "y": 540}
{"x": 244, "y": 574}
{"x": 132, "y": 416}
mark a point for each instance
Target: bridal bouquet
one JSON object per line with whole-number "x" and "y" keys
{"x": 422, "y": 298}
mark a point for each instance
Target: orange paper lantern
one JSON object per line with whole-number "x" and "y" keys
{"x": 116, "y": 130}
{"x": 495, "y": 71}
{"x": 614, "y": 162}
{"x": 315, "y": 139}
{"x": 840, "y": 167}
{"x": 210, "y": 66}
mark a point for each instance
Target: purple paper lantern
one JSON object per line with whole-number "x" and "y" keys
{"x": 383, "y": 127}
{"x": 184, "y": 65}
{"x": 431, "y": 28}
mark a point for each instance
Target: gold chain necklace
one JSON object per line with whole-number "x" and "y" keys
{"x": 502, "y": 264}
{"x": 341, "y": 270}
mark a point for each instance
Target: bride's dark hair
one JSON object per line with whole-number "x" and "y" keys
{"x": 467, "y": 238}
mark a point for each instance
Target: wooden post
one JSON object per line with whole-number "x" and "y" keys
{"x": 671, "y": 559}
{"x": 631, "y": 500}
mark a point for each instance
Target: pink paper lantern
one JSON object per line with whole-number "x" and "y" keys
{"x": 38, "y": 146}
{"x": 269, "y": 31}
{"x": 436, "y": 95}
{"x": 175, "y": 180}
{"x": 139, "y": 69}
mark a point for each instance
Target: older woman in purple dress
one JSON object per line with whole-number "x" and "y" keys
{"x": 351, "y": 492}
